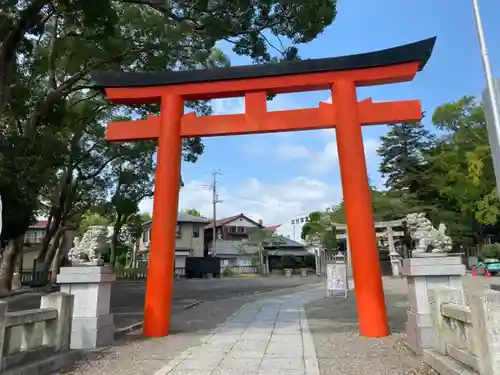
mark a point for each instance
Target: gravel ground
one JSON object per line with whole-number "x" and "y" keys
{"x": 127, "y": 298}
{"x": 137, "y": 356}
{"x": 333, "y": 323}
{"x": 341, "y": 350}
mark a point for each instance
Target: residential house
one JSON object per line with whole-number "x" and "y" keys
{"x": 233, "y": 228}
{"x": 236, "y": 245}
{"x": 283, "y": 246}
{"x": 293, "y": 228}
{"x": 236, "y": 253}
{"x": 32, "y": 244}
{"x": 189, "y": 238}
{"x": 243, "y": 253}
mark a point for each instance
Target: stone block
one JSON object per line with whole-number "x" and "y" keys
{"x": 94, "y": 332}
{"x": 58, "y": 332}
{"x": 424, "y": 274}
{"x": 433, "y": 266}
{"x": 3, "y": 321}
{"x": 92, "y": 324}
{"x": 484, "y": 307}
{"x": 419, "y": 336}
{"x": 16, "y": 281}
{"x": 86, "y": 274}
{"x": 90, "y": 299}
{"x": 412, "y": 339}
{"x": 445, "y": 365}
{"x": 440, "y": 325}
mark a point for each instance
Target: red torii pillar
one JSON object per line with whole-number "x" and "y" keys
{"x": 340, "y": 75}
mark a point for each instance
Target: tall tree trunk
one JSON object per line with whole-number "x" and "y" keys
{"x": 50, "y": 231}
{"x": 58, "y": 211}
{"x": 53, "y": 250}
{"x": 59, "y": 256}
{"x": 11, "y": 41}
{"x": 10, "y": 254}
{"x": 134, "y": 257}
{"x": 114, "y": 239}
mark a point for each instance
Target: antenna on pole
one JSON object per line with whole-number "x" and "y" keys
{"x": 215, "y": 200}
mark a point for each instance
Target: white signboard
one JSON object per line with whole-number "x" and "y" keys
{"x": 336, "y": 279}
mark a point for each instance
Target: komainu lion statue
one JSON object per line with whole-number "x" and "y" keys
{"x": 426, "y": 236}
{"x": 88, "y": 250}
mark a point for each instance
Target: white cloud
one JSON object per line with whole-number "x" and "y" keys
{"x": 289, "y": 152}
{"x": 255, "y": 148}
{"x": 237, "y": 105}
{"x": 324, "y": 161}
{"x": 273, "y": 203}
{"x": 327, "y": 160}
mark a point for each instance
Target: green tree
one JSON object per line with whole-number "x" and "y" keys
{"x": 198, "y": 26}
{"x": 320, "y": 229}
{"x": 132, "y": 181}
{"x": 403, "y": 164}
{"x": 261, "y": 239}
{"x": 47, "y": 50}
{"x": 462, "y": 168}
{"x": 192, "y": 212}
{"x": 90, "y": 220}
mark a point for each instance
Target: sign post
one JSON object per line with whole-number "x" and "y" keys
{"x": 336, "y": 276}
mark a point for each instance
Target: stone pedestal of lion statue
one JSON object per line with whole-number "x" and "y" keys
{"x": 429, "y": 267}
{"x": 90, "y": 282}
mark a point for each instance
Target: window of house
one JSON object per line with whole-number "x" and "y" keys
{"x": 240, "y": 229}
{"x": 146, "y": 234}
{"x": 243, "y": 262}
{"x": 178, "y": 233}
{"x": 196, "y": 231}
{"x": 302, "y": 220}
{"x": 293, "y": 222}
{"x": 33, "y": 236}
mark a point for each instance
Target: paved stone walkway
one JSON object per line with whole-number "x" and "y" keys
{"x": 268, "y": 337}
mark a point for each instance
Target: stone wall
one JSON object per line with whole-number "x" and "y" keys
{"x": 466, "y": 331}
{"x": 37, "y": 341}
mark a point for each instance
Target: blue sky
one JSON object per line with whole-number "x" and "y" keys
{"x": 275, "y": 177}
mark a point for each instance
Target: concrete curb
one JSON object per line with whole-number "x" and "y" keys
{"x": 23, "y": 291}
{"x": 191, "y": 305}
{"x": 120, "y": 332}
{"x": 47, "y": 366}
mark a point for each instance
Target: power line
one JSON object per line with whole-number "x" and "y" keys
{"x": 291, "y": 205}
{"x": 215, "y": 200}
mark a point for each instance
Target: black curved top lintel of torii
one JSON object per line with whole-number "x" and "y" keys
{"x": 414, "y": 52}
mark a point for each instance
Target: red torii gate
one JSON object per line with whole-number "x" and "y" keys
{"x": 341, "y": 75}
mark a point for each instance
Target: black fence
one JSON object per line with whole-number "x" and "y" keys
{"x": 35, "y": 278}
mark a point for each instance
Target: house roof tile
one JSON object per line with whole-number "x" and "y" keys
{"x": 226, "y": 220}
{"x": 185, "y": 218}
{"x": 40, "y": 224}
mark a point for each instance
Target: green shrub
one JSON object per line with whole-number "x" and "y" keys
{"x": 227, "y": 272}
{"x": 490, "y": 251}
{"x": 310, "y": 261}
{"x": 289, "y": 261}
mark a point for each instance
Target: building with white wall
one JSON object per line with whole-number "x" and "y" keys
{"x": 293, "y": 228}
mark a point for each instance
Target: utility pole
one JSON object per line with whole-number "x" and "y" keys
{"x": 493, "y": 125}
{"x": 215, "y": 200}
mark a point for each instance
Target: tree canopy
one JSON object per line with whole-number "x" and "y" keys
{"x": 445, "y": 171}
{"x": 54, "y": 161}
